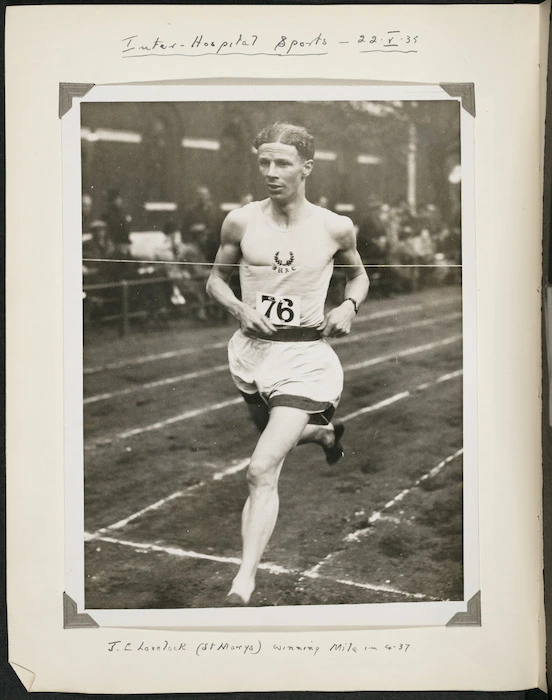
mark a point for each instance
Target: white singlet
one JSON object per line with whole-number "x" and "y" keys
{"x": 285, "y": 274}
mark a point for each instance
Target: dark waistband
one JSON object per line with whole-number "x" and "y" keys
{"x": 295, "y": 334}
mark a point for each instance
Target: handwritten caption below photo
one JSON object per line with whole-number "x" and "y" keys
{"x": 252, "y": 648}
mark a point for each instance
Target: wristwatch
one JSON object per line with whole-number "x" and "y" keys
{"x": 353, "y": 303}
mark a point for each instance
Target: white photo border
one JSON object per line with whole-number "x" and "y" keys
{"x": 359, "y": 616}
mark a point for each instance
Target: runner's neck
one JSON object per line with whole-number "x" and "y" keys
{"x": 287, "y": 215}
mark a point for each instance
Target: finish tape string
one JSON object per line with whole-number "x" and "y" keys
{"x": 210, "y": 264}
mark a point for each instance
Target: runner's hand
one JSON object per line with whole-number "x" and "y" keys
{"x": 338, "y": 321}
{"x": 254, "y": 324}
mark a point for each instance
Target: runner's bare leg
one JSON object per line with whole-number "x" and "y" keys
{"x": 285, "y": 427}
{"x": 319, "y": 434}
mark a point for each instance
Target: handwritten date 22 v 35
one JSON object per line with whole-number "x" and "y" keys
{"x": 391, "y": 41}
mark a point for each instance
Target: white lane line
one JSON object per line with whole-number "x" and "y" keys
{"x": 221, "y": 368}
{"x": 222, "y": 344}
{"x": 244, "y": 463}
{"x": 169, "y": 355}
{"x": 265, "y": 566}
{"x": 451, "y": 375}
{"x": 372, "y": 587}
{"x": 98, "y": 442}
{"x": 218, "y": 476}
{"x": 154, "y": 506}
{"x": 177, "y": 419}
{"x": 378, "y": 514}
{"x": 240, "y": 466}
{"x": 174, "y": 551}
{"x": 392, "y": 312}
{"x": 154, "y": 385}
{"x": 403, "y": 353}
{"x": 393, "y": 329}
{"x": 376, "y": 406}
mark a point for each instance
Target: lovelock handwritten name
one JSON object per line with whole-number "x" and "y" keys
{"x": 165, "y": 646}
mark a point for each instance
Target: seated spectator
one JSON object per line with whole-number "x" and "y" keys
{"x": 424, "y": 251}
{"x": 96, "y": 253}
{"x": 187, "y": 280}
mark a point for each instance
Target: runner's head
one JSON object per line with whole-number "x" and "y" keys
{"x": 289, "y": 134}
{"x": 286, "y": 154}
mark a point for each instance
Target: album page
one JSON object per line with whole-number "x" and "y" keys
{"x": 273, "y": 318}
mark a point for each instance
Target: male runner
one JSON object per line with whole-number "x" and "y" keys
{"x": 290, "y": 378}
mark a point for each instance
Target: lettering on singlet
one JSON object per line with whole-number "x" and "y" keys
{"x": 285, "y": 263}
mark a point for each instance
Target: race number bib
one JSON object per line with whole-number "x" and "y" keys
{"x": 281, "y": 311}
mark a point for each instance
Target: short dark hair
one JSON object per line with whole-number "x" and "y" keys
{"x": 289, "y": 134}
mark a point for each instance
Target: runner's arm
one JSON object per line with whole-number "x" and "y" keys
{"x": 339, "y": 320}
{"x": 229, "y": 253}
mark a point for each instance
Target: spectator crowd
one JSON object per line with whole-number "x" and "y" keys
{"x": 404, "y": 251}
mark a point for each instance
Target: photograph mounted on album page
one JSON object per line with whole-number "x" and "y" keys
{"x": 279, "y": 340}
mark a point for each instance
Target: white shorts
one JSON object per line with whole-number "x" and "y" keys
{"x": 305, "y": 375}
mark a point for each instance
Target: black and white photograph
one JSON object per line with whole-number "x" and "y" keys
{"x": 272, "y": 318}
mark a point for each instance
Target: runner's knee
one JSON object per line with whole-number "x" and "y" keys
{"x": 262, "y": 473}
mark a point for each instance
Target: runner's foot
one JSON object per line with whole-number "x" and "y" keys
{"x": 241, "y": 591}
{"x": 235, "y": 600}
{"x": 335, "y": 451}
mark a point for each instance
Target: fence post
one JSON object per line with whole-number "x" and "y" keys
{"x": 124, "y": 307}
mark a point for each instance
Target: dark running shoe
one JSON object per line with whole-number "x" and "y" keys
{"x": 234, "y": 600}
{"x": 336, "y": 451}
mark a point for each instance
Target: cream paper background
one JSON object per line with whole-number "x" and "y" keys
{"x": 496, "y": 47}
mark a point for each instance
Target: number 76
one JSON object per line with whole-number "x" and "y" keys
{"x": 284, "y": 308}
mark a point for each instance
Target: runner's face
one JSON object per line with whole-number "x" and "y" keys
{"x": 283, "y": 170}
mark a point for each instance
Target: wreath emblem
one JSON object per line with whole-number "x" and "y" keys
{"x": 282, "y": 266}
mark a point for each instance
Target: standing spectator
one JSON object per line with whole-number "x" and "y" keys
{"x": 118, "y": 223}
{"x": 118, "y": 231}
{"x": 373, "y": 246}
{"x": 202, "y": 223}
{"x": 97, "y": 251}
{"x": 371, "y": 229}
{"x": 86, "y": 204}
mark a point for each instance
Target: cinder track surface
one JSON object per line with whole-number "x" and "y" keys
{"x": 167, "y": 440}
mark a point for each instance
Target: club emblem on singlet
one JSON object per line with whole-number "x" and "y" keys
{"x": 284, "y": 265}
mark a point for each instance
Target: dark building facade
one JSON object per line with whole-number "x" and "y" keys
{"x": 157, "y": 154}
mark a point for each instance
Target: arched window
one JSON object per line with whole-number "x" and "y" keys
{"x": 159, "y": 152}
{"x": 234, "y": 161}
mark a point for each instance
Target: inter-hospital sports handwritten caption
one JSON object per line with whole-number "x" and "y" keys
{"x": 252, "y": 648}
{"x": 202, "y": 44}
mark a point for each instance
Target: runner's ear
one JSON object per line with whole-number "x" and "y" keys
{"x": 307, "y": 167}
